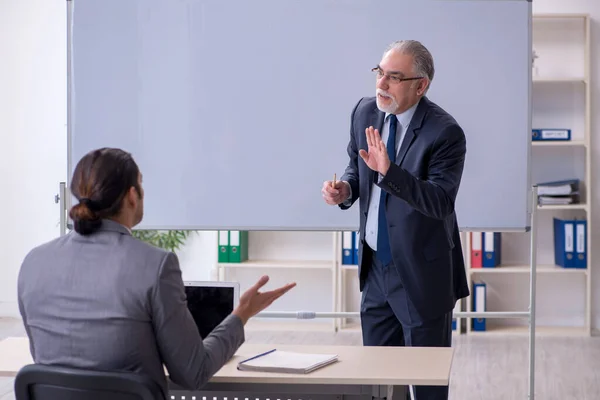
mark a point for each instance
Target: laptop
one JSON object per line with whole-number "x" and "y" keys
{"x": 210, "y": 302}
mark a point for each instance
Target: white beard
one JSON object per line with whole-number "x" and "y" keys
{"x": 391, "y": 108}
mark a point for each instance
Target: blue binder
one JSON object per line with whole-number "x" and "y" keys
{"x": 356, "y": 241}
{"x": 551, "y": 134}
{"x": 564, "y": 242}
{"x": 479, "y": 304}
{"x": 492, "y": 247}
{"x": 580, "y": 244}
{"x": 347, "y": 252}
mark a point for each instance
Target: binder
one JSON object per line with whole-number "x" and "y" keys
{"x": 564, "y": 242}
{"x": 456, "y": 308}
{"x": 223, "y": 246}
{"x": 347, "y": 247}
{"x": 356, "y": 242}
{"x": 476, "y": 241}
{"x": 581, "y": 244}
{"x": 551, "y": 134}
{"x": 238, "y": 246}
{"x": 491, "y": 249}
{"x": 479, "y": 304}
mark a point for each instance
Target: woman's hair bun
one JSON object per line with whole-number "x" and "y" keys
{"x": 85, "y": 221}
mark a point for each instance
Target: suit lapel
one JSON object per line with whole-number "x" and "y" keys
{"x": 413, "y": 128}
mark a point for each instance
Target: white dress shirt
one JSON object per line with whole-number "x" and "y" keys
{"x": 371, "y": 227}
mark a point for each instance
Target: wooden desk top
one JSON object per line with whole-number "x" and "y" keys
{"x": 357, "y": 365}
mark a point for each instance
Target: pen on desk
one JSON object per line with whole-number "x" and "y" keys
{"x": 257, "y": 356}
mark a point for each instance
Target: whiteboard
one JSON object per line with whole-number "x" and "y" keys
{"x": 237, "y": 111}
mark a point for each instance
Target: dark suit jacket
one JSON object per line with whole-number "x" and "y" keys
{"x": 109, "y": 301}
{"x": 422, "y": 187}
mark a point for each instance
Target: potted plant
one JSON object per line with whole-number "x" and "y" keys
{"x": 171, "y": 240}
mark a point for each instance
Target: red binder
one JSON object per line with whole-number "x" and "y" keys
{"x": 476, "y": 250}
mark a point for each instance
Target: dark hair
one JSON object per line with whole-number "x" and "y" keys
{"x": 100, "y": 181}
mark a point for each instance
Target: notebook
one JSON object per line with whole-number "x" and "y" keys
{"x": 287, "y": 362}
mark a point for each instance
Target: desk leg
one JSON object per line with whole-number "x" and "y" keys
{"x": 390, "y": 392}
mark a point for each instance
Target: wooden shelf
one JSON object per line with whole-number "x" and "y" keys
{"x": 579, "y": 206}
{"x": 287, "y": 264}
{"x": 554, "y": 143}
{"x": 556, "y": 16}
{"x": 558, "y": 79}
{"x": 525, "y": 269}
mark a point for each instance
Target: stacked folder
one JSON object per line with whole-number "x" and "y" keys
{"x": 558, "y": 192}
{"x": 233, "y": 246}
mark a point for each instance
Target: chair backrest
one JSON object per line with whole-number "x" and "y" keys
{"x": 43, "y": 382}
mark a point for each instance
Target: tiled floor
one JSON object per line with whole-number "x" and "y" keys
{"x": 484, "y": 368}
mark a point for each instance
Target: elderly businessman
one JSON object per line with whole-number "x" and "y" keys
{"x": 406, "y": 162}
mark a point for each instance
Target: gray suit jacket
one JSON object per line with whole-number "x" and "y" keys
{"x": 109, "y": 301}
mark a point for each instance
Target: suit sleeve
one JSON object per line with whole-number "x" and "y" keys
{"x": 190, "y": 361}
{"x": 435, "y": 196}
{"x": 351, "y": 173}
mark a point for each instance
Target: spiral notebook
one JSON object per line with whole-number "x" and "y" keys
{"x": 287, "y": 362}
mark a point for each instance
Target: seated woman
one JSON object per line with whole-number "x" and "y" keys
{"x": 98, "y": 298}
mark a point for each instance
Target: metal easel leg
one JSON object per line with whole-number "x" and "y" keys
{"x": 60, "y": 198}
{"x": 532, "y": 293}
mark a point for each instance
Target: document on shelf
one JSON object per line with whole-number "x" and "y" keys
{"x": 287, "y": 362}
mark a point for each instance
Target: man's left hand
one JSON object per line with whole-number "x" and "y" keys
{"x": 376, "y": 158}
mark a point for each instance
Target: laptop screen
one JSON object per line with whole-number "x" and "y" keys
{"x": 209, "y": 306}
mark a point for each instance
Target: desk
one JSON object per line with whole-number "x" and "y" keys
{"x": 361, "y": 372}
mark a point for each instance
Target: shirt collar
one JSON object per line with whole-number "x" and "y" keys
{"x": 405, "y": 117}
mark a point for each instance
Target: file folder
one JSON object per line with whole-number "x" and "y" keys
{"x": 476, "y": 241}
{"x": 456, "y": 308}
{"x": 564, "y": 242}
{"x": 223, "y": 246}
{"x": 491, "y": 249}
{"x": 479, "y": 304}
{"x": 347, "y": 247}
{"x": 551, "y": 134}
{"x": 356, "y": 242}
{"x": 581, "y": 244}
{"x": 238, "y": 246}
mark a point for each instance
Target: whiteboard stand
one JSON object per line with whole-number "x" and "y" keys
{"x": 532, "y": 285}
{"x": 60, "y": 198}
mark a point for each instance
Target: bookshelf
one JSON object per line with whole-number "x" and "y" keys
{"x": 560, "y": 99}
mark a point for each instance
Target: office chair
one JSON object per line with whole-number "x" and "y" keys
{"x": 43, "y": 382}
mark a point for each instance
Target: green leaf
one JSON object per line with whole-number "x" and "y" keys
{"x": 171, "y": 240}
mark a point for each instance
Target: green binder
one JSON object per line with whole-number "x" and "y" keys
{"x": 223, "y": 246}
{"x": 238, "y": 246}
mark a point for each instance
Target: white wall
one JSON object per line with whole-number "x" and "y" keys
{"x": 32, "y": 130}
{"x": 33, "y": 118}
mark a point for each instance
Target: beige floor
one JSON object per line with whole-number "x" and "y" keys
{"x": 484, "y": 368}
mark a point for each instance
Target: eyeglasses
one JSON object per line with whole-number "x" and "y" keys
{"x": 393, "y": 78}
